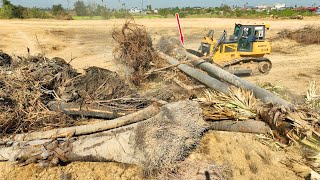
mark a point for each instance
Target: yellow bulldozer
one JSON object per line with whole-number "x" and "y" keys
{"x": 242, "y": 53}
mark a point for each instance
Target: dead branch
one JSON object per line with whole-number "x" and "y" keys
{"x": 89, "y": 110}
{"x": 167, "y": 67}
{"x": 91, "y": 128}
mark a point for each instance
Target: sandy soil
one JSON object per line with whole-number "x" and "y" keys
{"x": 85, "y": 171}
{"x": 91, "y": 44}
{"x": 243, "y": 154}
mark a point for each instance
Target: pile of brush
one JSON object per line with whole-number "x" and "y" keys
{"x": 27, "y": 84}
{"x": 44, "y": 102}
{"x": 38, "y": 93}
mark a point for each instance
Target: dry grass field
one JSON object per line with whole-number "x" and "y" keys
{"x": 89, "y": 43}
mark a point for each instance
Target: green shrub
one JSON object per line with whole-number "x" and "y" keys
{"x": 121, "y": 14}
{"x": 183, "y": 14}
{"x": 9, "y": 11}
{"x": 6, "y": 12}
{"x": 18, "y": 11}
{"x": 286, "y": 13}
{"x": 35, "y": 13}
{"x": 57, "y": 10}
{"x": 106, "y": 14}
{"x": 164, "y": 12}
{"x": 80, "y": 8}
{"x": 238, "y": 13}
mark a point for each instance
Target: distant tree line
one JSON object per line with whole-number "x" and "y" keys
{"x": 228, "y": 11}
{"x": 92, "y": 9}
{"x": 9, "y": 11}
{"x": 80, "y": 8}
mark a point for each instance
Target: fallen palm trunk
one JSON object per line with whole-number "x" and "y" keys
{"x": 156, "y": 143}
{"x": 91, "y": 128}
{"x": 199, "y": 75}
{"x": 171, "y": 47}
{"x": 107, "y": 146}
{"x": 89, "y": 110}
{"x": 246, "y": 126}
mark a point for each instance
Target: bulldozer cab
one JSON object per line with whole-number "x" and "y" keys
{"x": 246, "y": 35}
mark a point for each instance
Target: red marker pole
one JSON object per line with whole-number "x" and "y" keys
{"x": 180, "y": 30}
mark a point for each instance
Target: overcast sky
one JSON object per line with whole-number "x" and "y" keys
{"x": 163, "y": 3}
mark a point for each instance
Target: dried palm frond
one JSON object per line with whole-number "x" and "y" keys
{"x": 272, "y": 88}
{"x": 289, "y": 125}
{"x": 312, "y": 98}
{"x": 240, "y": 105}
{"x": 312, "y": 91}
{"x": 304, "y": 123}
{"x": 268, "y": 140}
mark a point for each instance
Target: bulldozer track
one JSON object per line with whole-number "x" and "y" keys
{"x": 256, "y": 65}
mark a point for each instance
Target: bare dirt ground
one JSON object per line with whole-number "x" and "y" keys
{"x": 91, "y": 44}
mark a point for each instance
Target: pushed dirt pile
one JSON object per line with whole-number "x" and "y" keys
{"x": 306, "y": 35}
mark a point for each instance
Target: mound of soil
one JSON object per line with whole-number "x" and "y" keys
{"x": 306, "y": 35}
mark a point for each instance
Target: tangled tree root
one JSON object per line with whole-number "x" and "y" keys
{"x": 134, "y": 50}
